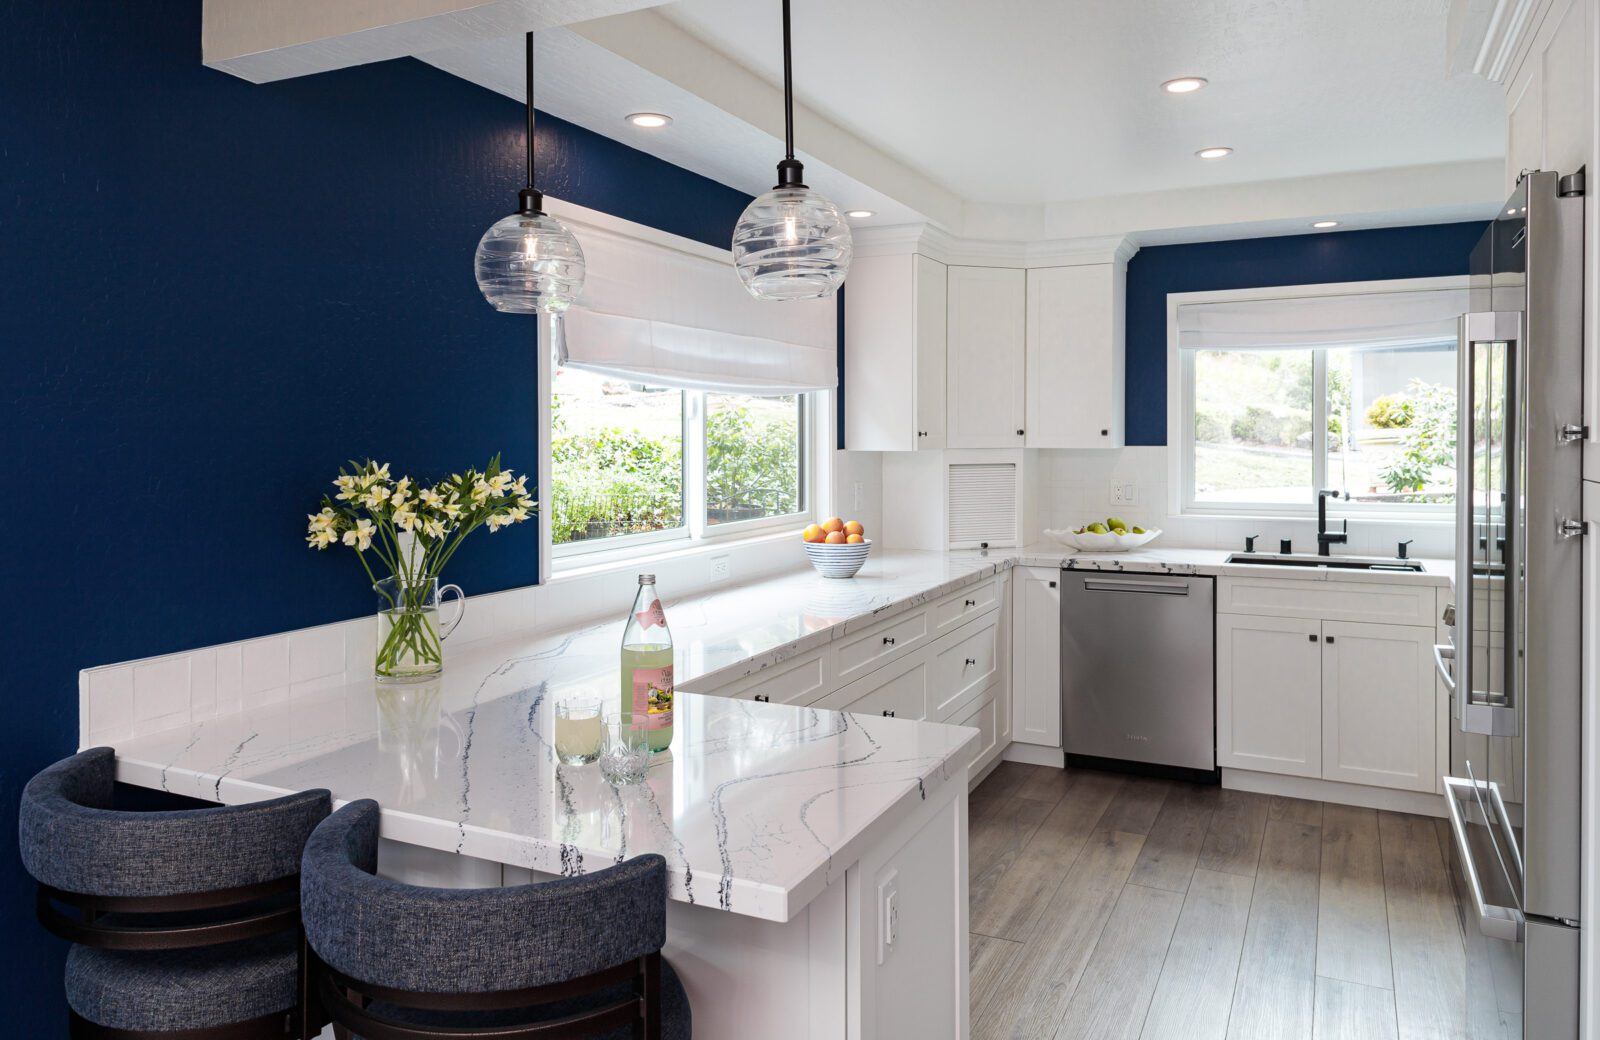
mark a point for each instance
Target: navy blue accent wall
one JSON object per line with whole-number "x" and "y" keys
{"x": 211, "y": 294}
{"x": 1349, "y": 256}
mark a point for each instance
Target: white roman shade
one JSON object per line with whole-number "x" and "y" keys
{"x": 1369, "y": 320}
{"x": 668, "y": 311}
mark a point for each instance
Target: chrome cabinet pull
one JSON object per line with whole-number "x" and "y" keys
{"x": 1443, "y": 652}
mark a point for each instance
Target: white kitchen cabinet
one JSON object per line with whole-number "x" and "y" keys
{"x": 1075, "y": 351}
{"x": 899, "y": 691}
{"x": 1378, "y": 705}
{"x": 1036, "y": 656}
{"x": 1269, "y": 694}
{"x": 986, "y": 405}
{"x": 895, "y": 353}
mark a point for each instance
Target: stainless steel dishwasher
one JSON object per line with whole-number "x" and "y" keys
{"x": 1138, "y": 671}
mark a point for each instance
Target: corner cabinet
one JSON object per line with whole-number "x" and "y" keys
{"x": 1075, "y": 356}
{"x": 1329, "y": 680}
{"x": 895, "y": 353}
{"x": 986, "y": 405}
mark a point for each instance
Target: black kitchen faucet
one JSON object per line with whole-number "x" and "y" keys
{"x": 1326, "y": 537}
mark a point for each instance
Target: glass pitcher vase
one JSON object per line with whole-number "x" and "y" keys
{"x": 410, "y": 634}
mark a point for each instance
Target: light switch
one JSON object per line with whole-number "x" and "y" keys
{"x": 721, "y": 568}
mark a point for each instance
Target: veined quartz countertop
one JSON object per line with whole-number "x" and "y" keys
{"x": 756, "y": 806}
{"x": 1160, "y": 559}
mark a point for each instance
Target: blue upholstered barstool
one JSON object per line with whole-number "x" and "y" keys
{"x": 568, "y": 958}
{"x": 187, "y": 922}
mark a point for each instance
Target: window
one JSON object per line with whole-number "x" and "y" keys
{"x": 634, "y": 464}
{"x": 1265, "y": 429}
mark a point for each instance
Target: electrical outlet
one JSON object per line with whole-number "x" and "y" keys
{"x": 721, "y": 568}
{"x": 1124, "y": 494}
{"x": 888, "y": 914}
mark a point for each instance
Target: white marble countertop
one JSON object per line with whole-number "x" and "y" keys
{"x": 756, "y": 807}
{"x": 1214, "y": 562}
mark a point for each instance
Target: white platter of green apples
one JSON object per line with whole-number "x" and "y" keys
{"x": 1112, "y": 534}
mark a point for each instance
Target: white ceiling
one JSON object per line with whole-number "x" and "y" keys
{"x": 1036, "y": 101}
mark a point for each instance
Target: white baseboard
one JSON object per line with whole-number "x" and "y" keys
{"x": 1418, "y": 802}
{"x": 1034, "y": 755}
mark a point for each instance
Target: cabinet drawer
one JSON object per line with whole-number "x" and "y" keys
{"x": 1326, "y": 600}
{"x": 800, "y": 681}
{"x": 964, "y": 665}
{"x": 955, "y": 610}
{"x": 904, "y": 695}
{"x": 983, "y": 716}
{"x": 875, "y": 647}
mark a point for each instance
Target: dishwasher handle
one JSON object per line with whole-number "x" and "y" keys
{"x": 1160, "y": 588}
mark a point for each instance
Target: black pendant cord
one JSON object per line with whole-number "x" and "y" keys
{"x": 791, "y": 174}
{"x": 531, "y": 201}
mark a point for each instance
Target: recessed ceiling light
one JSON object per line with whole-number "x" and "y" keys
{"x": 649, "y": 120}
{"x": 1214, "y": 153}
{"x": 1325, "y": 224}
{"x": 858, "y": 214}
{"x": 1184, "y": 84}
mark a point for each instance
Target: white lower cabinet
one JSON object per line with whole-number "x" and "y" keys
{"x": 1349, "y": 701}
{"x": 946, "y": 662}
{"x": 1269, "y": 694}
{"x": 1378, "y": 705}
{"x": 1036, "y": 656}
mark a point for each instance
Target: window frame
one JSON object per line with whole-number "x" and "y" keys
{"x": 695, "y": 532}
{"x": 1181, "y": 405}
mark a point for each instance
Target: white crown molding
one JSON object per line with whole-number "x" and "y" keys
{"x": 1485, "y": 36}
{"x": 939, "y": 244}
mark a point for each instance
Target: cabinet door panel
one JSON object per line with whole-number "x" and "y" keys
{"x": 1036, "y": 656}
{"x": 1269, "y": 694}
{"x": 1075, "y": 356}
{"x": 1378, "y": 707}
{"x": 987, "y": 311}
{"x": 932, "y": 353}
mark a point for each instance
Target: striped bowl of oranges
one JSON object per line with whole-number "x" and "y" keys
{"x": 837, "y": 548}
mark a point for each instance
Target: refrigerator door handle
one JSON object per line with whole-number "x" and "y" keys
{"x": 1443, "y": 652}
{"x": 1495, "y": 921}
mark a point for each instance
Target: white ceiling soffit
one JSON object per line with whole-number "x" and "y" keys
{"x": 1023, "y": 101}
{"x": 586, "y": 84}
{"x": 266, "y": 40}
{"x": 1439, "y": 193}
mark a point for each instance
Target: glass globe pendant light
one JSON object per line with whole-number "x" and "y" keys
{"x": 529, "y": 263}
{"x": 791, "y": 243}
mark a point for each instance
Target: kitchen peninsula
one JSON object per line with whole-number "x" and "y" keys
{"x": 785, "y": 827}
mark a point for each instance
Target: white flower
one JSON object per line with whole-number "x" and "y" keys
{"x": 451, "y": 508}
{"x": 348, "y": 487}
{"x": 405, "y": 519}
{"x": 480, "y": 492}
{"x": 433, "y": 528}
{"x": 520, "y": 486}
{"x": 375, "y": 470}
{"x": 431, "y": 498}
{"x": 516, "y": 514}
{"x": 360, "y": 536}
{"x": 499, "y": 484}
{"x": 375, "y": 496}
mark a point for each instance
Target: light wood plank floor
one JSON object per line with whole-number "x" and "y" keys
{"x": 1108, "y": 906}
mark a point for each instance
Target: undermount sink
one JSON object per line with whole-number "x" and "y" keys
{"x": 1347, "y": 563}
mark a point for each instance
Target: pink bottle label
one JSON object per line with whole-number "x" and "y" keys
{"x": 652, "y": 616}
{"x": 652, "y": 696}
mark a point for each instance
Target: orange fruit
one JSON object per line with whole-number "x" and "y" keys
{"x": 854, "y": 539}
{"x": 835, "y": 538}
{"x": 853, "y": 527}
{"x": 833, "y": 524}
{"x": 812, "y": 533}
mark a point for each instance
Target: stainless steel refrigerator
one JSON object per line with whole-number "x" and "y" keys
{"x": 1515, "y": 657}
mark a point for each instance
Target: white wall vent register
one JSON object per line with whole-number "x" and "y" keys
{"x": 984, "y": 504}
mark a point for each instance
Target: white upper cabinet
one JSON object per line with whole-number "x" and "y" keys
{"x": 987, "y": 348}
{"x": 1075, "y": 356}
{"x": 894, "y": 359}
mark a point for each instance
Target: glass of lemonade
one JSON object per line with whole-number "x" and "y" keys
{"x": 579, "y": 731}
{"x": 625, "y": 757}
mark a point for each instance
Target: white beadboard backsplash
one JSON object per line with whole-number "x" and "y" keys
{"x": 1078, "y": 490}
{"x": 129, "y": 699}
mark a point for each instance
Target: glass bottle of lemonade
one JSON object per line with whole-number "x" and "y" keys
{"x": 647, "y": 665}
